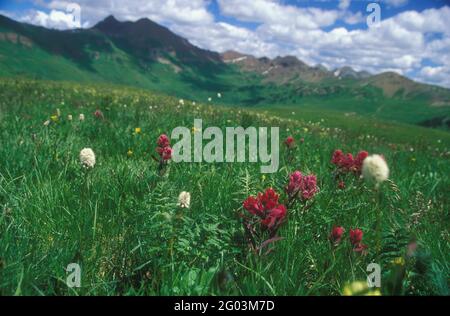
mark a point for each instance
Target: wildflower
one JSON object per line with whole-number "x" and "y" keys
{"x": 163, "y": 141}
{"x": 47, "y": 123}
{"x": 54, "y": 118}
{"x": 87, "y": 157}
{"x": 98, "y": 114}
{"x": 184, "y": 199}
{"x": 357, "y": 288}
{"x": 266, "y": 207}
{"x": 399, "y": 261}
{"x": 356, "y": 236}
{"x": 137, "y": 130}
{"x": 129, "y": 153}
{"x": 58, "y": 112}
{"x": 164, "y": 150}
{"x": 69, "y": 117}
{"x": 276, "y": 214}
{"x": 165, "y": 153}
{"x": 209, "y": 99}
{"x": 358, "y": 162}
{"x": 181, "y": 102}
{"x": 304, "y": 187}
{"x": 81, "y": 117}
{"x": 346, "y": 162}
{"x": 375, "y": 169}
{"x": 219, "y": 95}
{"x": 341, "y": 185}
{"x": 289, "y": 142}
{"x": 336, "y": 234}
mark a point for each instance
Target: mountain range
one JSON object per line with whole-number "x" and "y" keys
{"x": 147, "y": 55}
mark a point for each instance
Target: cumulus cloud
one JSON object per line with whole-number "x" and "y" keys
{"x": 55, "y": 19}
{"x": 396, "y": 3}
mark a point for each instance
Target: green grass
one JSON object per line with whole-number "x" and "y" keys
{"x": 120, "y": 220}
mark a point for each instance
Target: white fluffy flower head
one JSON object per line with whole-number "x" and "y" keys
{"x": 184, "y": 199}
{"x": 87, "y": 158}
{"x": 375, "y": 169}
{"x": 81, "y": 117}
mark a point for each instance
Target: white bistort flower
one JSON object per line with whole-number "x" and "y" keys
{"x": 184, "y": 199}
{"x": 375, "y": 169}
{"x": 81, "y": 117}
{"x": 69, "y": 117}
{"x": 87, "y": 158}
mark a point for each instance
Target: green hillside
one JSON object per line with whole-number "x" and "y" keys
{"x": 161, "y": 61}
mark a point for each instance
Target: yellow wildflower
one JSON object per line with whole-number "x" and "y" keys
{"x": 355, "y": 288}
{"x": 129, "y": 153}
{"x": 399, "y": 261}
{"x": 137, "y": 130}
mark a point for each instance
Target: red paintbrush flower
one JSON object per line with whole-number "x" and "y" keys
{"x": 254, "y": 206}
{"x": 266, "y": 207}
{"x": 276, "y": 214}
{"x": 337, "y": 157}
{"x": 289, "y": 142}
{"x": 357, "y": 165}
{"x": 98, "y": 114}
{"x": 304, "y": 187}
{"x": 356, "y": 236}
{"x": 336, "y": 234}
{"x": 163, "y": 141}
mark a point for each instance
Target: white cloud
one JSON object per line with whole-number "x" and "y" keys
{"x": 55, "y": 19}
{"x": 272, "y": 12}
{"x": 396, "y": 3}
{"x": 344, "y": 4}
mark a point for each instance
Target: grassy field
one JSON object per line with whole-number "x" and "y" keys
{"x": 120, "y": 220}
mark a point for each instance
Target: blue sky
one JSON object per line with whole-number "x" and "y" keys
{"x": 412, "y": 38}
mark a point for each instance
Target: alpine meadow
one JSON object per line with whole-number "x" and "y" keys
{"x": 136, "y": 163}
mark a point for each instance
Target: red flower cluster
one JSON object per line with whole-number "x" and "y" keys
{"x": 356, "y": 236}
{"x": 266, "y": 207}
{"x": 98, "y": 114}
{"x": 289, "y": 142}
{"x": 164, "y": 150}
{"x": 301, "y": 186}
{"x": 347, "y": 163}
